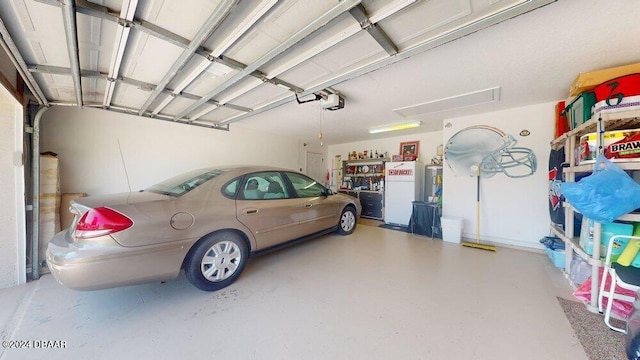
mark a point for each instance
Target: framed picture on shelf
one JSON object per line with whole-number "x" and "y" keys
{"x": 409, "y": 150}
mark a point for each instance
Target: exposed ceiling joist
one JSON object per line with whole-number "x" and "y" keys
{"x": 133, "y": 111}
{"x": 258, "y": 11}
{"x": 91, "y": 74}
{"x": 71, "y": 34}
{"x": 104, "y": 13}
{"x": 14, "y": 54}
{"x": 215, "y": 68}
{"x": 314, "y": 26}
{"x": 214, "y": 20}
{"x": 381, "y": 14}
{"x": 457, "y": 33}
{"x": 359, "y": 13}
{"x": 122, "y": 36}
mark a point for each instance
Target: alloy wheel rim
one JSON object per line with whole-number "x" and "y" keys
{"x": 347, "y": 221}
{"x": 220, "y": 261}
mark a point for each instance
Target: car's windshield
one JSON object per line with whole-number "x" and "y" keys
{"x": 182, "y": 184}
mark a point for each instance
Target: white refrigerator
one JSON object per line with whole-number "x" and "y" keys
{"x": 403, "y": 184}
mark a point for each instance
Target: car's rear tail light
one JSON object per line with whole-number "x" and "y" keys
{"x": 101, "y": 221}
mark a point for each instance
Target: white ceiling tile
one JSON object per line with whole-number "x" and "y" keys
{"x": 23, "y": 15}
{"x": 424, "y": 17}
{"x": 62, "y": 80}
{"x": 152, "y": 10}
{"x": 305, "y": 74}
{"x": 358, "y": 50}
{"x": 146, "y": 49}
{"x": 36, "y": 48}
{"x": 220, "y": 114}
{"x": 252, "y": 47}
{"x": 342, "y": 28}
{"x": 176, "y": 105}
{"x": 129, "y": 96}
{"x": 184, "y": 19}
{"x": 233, "y": 25}
{"x": 293, "y": 15}
{"x": 96, "y": 29}
{"x": 243, "y": 86}
{"x": 261, "y": 95}
{"x": 94, "y": 55}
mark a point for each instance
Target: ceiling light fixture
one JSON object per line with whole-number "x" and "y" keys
{"x": 394, "y": 127}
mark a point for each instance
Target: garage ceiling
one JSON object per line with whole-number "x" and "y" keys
{"x": 218, "y": 63}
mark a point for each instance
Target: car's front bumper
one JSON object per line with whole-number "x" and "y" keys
{"x": 102, "y": 263}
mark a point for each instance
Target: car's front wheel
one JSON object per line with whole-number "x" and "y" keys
{"x": 216, "y": 261}
{"x": 347, "y": 221}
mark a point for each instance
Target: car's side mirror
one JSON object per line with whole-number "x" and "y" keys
{"x": 327, "y": 192}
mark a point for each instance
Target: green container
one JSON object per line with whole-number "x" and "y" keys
{"x": 579, "y": 110}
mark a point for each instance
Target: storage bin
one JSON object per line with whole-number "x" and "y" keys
{"x": 557, "y": 257}
{"x": 589, "y": 80}
{"x": 608, "y": 230}
{"x": 451, "y": 229}
{"x": 579, "y": 109}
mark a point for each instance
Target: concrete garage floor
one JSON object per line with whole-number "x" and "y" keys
{"x": 378, "y": 294}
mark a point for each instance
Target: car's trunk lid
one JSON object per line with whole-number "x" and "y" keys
{"x": 118, "y": 199}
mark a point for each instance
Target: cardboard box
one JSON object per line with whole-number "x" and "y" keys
{"x": 589, "y": 80}
{"x": 49, "y": 223}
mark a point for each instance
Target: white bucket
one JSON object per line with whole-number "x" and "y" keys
{"x": 451, "y": 229}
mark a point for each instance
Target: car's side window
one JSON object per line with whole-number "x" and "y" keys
{"x": 305, "y": 186}
{"x": 265, "y": 185}
{"x": 252, "y": 187}
{"x": 231, "y": 188}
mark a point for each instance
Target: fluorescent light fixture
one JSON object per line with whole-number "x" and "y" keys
{"x": 394, "y": 127}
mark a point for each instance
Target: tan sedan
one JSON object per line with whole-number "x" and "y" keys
{"x": 207, "y": 222}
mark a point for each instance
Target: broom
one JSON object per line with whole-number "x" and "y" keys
{"x": 477, "y": 245}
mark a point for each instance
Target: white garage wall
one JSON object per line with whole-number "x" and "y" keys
{"x": 12, "y": 218}
{"x": 512, "y": 211}
{"x": 88, "y": 143}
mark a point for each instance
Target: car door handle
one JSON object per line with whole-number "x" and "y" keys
{"x": 250, "y": 211}
{"x": 308, "y": 205}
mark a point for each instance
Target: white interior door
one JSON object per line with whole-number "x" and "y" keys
{"x": 315, "y": 168}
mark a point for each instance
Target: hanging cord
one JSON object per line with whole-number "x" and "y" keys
{"x": 321, "y": 121}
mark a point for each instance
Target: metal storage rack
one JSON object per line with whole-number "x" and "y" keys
{"x": 371, "y": 197}
{"x": 599, "y": 123}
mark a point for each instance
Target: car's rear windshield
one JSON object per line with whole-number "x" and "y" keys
{"x": 182, "y": 184}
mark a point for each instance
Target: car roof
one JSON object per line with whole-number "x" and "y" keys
{"x": 237, "y": 170}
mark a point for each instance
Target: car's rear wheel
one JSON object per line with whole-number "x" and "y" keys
{"x": 216, "y": 261}
{"x": 347, "y": 221}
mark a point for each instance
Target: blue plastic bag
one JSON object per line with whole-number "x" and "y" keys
{"x": 605, "y": 195}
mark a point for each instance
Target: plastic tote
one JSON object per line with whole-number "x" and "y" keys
{"x": 451, "y": 229}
